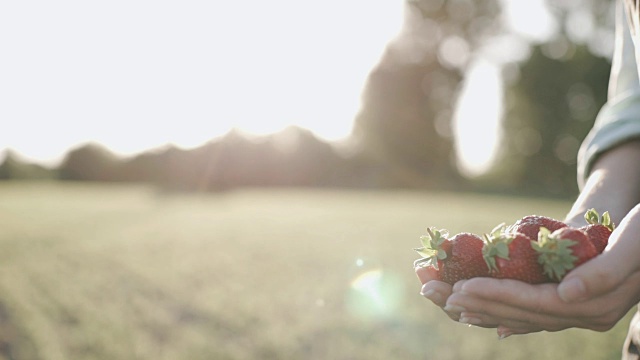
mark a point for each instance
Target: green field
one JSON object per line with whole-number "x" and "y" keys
{"x": 129, "y": 272}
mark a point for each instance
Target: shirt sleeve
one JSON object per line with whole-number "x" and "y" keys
{"x": 619, "y": 119}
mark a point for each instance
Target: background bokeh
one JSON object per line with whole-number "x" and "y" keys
{"x": 184, "y": 180}
{"x": 459, "y": 94}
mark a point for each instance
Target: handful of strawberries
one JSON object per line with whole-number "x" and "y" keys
{"x": 535, "y": 249}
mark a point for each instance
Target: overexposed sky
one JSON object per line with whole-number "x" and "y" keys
{"x": 139, "y": 74}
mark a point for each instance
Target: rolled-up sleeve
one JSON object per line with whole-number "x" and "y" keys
{"x": 619, "y": 119}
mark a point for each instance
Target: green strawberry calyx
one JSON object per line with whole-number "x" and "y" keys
{"x": 496, "y": 243}
{"x": 554, "y": 254}
{"x": 431, "y": 250}
{"x": 594, "y": 218}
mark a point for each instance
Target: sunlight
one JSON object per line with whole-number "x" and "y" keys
{"x": 374, "y": 293}
{"x": 531, "y": 19}
{"x": 477, "y": 118}
{"x": 137, "y": 75}
{"x": 479, "y": 109}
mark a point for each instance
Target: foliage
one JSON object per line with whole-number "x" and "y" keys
{"x": 12, "y": 168}
{"x": 550, "y": 110}
{"x": 409, "y": 97}
{"x": 91, "y": 162}
{"x": 294, "y": 157}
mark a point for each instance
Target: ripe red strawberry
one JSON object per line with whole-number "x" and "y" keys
{"x": 563, "y": 250}
{"x": 455, "y": 259}
{"x": 599, "y": 228}
{"x": 531, "y": 224}
{"x": 510, "y": 255}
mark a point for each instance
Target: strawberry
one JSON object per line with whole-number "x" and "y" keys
{"x": 455, "y": 259}
{"x": 510, "y": 255}
{"x": 563, "y": 250}
{"x": 531, "y": 224}
{"x": 599, "y": 228}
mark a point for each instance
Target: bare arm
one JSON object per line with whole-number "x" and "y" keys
{"x": 613, "y": 185}
{"x": 593, "y": 296}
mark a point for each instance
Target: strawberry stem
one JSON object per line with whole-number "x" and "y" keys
{"x": 592, "y": 217}
{"x": 554, "y": 254}
{"x": 431, "y": 250}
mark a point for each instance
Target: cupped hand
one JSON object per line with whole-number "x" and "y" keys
{"x": 436, "y": 291}
{"x": 595, "y": 296}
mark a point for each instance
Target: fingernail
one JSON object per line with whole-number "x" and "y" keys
{"x": 427, "y": 293}
{"x": 470, "y": 320}
{"x": 572, "y": 290}
{"x": 503, "y": 333}
{"x": 432, "y": 295}
{"x": 454, "y": 308}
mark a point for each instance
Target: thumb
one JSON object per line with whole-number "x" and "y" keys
{"x": 593, "y": 278}
{"x": 607, "y": 271}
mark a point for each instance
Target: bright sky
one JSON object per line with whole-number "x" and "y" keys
{"x": 135, "y": 75}
{"x": 139, "y": 74}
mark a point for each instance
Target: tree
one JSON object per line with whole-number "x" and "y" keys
{"x": 409, "y": 97}
{"x": 549, "y": 111}
{"x": 90, "y": 162}
{"x": 13, "y": 168}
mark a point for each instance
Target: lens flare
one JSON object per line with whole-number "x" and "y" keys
{"x": 374, "y": 293}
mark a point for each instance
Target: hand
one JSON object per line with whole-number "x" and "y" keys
{"x": 594, "y": 296}
{"x": 436, "y": 291}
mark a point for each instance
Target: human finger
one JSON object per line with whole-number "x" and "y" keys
{"x": 608, "y": 270}
{"x": 510, "y": 292}
{"x": 490, "y": 313}
{"x": 436, "y": 291}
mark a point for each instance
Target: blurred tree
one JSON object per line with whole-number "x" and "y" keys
{"x": 14, "y": 169}
{"x": 293, "y": 157}
{"x": 553, "y": 101}
{"x": 90, "y": 162}
{"x": 548, "y": 113}
{"x": 409, "y": 97}
{"x": 403, "y": 134}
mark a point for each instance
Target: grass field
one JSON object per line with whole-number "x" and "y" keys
{"x": 127, "y": 272}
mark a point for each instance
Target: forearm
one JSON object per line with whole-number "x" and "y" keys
{"x": 613, "y": 185}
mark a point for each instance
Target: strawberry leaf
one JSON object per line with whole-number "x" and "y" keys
{"x": 555, "y": 254}
{"x": 606, "y": 221}
{"x": 594, "y": 218}
{"x": 431, "y": 250}
{"x": 425, "y": 262}
{"x": 496, "y": 244}
{"x": 426, "y": 252}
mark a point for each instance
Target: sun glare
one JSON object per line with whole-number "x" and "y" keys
{"x": 477, "y": 118}
{"x": 137, "y": 75}
{"x": 374, "y": 293}
{"x": 531, "y": 19}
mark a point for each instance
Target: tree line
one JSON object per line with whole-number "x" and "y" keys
{"x": 402, "y": 135}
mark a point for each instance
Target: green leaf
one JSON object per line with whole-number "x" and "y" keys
{"x": 425, "y": 241}
{"x": 606, "y": 221}
{"x": 543, "y": 233}
{"x": 592, "y": 216}
{"x": 426, "y": 252}
{"x": 555, "y": 255}
{"x": 502, "y": 250}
